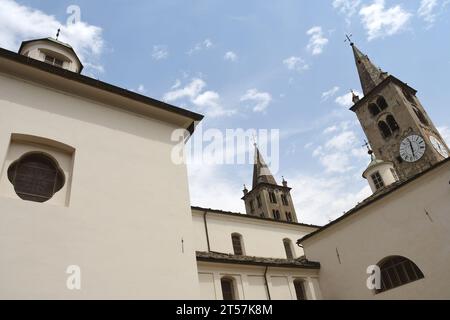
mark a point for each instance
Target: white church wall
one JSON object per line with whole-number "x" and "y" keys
{"x": 398, "y": 224}
{"x": 250, "y": 281}
{"x": 128, "y": 224}
{"x": 262, "y": 238}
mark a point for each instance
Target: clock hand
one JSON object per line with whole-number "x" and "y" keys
{"x": 412, "y": 149}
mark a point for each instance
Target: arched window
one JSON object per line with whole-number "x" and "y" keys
{"x": 409, "y": 96}
{"x": 384, "y": 129}
{"x": 36, "y": 177}
{"x": 373, "y": 109}
{"x": 299, "y": 286}
{"x": 238, "y": 246}
{"x": 228, "y": 288}
{"x": 258, "y": 200}
{"x": 288, "y": 248}
{"x": 284, "y": 200}
{"x": 289, "y": 216}
{"x": 393, "y": 125}
{"x": 276, "y": 214}
{"x": 272, "y": 197}
{"x": 397, "y": 271}
{"x": 382, "y": 104}
{"x": 421, "y": 116}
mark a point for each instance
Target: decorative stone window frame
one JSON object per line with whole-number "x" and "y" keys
{"x": 62, "y": 154}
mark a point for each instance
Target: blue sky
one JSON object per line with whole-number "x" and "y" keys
{"x": 259, "y": 64}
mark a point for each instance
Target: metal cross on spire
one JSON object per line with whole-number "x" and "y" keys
{"x": 348, "y": 38}
{"x": 367, "y": 145}
{"x": 255, "y": 144}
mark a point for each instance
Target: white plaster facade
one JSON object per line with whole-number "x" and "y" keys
{"x": 251, "y": 282}
{"x": 261, "y": 237}
{"x": 413, "y": 221}
{"x": 107, "y": 220}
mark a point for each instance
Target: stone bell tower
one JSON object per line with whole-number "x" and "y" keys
{"x": 395, "y": 122}
{"x": 267, "y": 199}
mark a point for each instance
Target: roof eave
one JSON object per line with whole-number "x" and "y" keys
{"x": 106, "y": 87}
{"x": 371, "y": 201}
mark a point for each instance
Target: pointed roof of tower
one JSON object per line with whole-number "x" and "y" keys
{"x": 261, "y": 172}
{"x": 369, "y": 74}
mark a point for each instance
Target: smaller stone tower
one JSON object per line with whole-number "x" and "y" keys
{"x": 380, "y": 174}
{"x": 267, "y": 199}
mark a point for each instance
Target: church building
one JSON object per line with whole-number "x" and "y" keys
{"x": 93, "y": 207}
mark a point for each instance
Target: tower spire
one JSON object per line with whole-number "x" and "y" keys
{"x": 369, "y": 74}
{"x": 261, "y": 172}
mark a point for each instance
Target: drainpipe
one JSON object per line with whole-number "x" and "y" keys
{"x": 206, "y": 230}
{"x": 267, "y": 284}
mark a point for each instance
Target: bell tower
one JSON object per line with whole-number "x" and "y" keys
{"x": 395, "y": 122}
{"x": 267, "y": 199}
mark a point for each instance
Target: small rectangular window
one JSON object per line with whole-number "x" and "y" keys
{"x": 54, "y": 61}
{"x": 300, "y": 289}
{"x": 49, "y": 59}
{"x": 252, "y": 206}
{"x": 237, "y": 244}
{"x": 377, "y": 180}
{"x": 394, "y": 174}
{"x": 58, "y": 63}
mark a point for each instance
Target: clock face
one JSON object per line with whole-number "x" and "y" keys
{"x": 439, "y": 146}
{"x": 412, "y": 148}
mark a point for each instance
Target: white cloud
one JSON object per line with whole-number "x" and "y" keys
{"x": 176, "y": 85}
{"x": 190, "y": 91}
{"x": 427, "y": 11}
{"x": 141, "y": 89}
{"x": 296, "y": 64}
{"x": 341, "y": 152}
{"x": 445, "y": 133}
{"x": 210, "y": 187}
{"x": 230, "y": 56}
{"x": 205, "y": 44}
{"x": 260, "y": 100}
{"x": 330, "y": 93}
{"x": 380, "y": 22}
{"x": 339, "y": 187}
{"x": 347, "y": 7}
{"x": 317, "y": 41}
{"x": 346, "y": 99}
{"x": 19, "y": 22}
{"x": 341, "y": 141}
{"x": 330, "y": 129}
{"x": 207, "y": 102}
{"x": 322, "y": 199}
{"x": 160, "y": 52}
